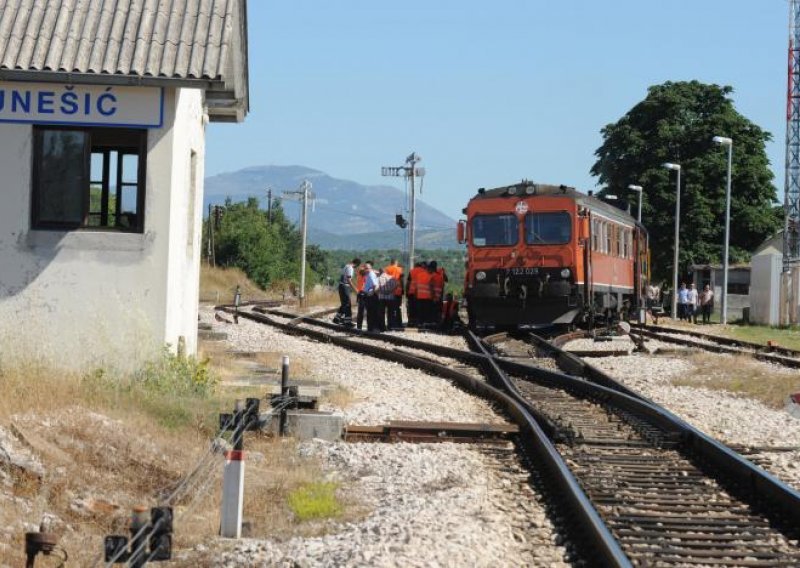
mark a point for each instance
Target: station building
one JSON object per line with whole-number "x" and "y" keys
{"x": 103, "y": 110}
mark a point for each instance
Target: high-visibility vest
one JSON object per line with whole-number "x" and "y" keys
{"x": 424, "y": 289}
{"x": 437, "y": 285}
{"x": 360, "y": 279}
{"x": 396, "y": 272}
{"x": 412, "y": 280}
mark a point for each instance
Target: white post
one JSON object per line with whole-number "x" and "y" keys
{"x": 413, "y": 219}
{"x": 727, "y": 237}
{"x": 233, "y": 480}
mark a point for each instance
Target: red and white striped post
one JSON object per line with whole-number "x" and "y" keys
{"x": 233, "y": 480}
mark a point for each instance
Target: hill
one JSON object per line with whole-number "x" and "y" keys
{"x": 343, "y": 208}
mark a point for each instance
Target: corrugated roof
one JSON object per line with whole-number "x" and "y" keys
{"x": 178, "y": 40}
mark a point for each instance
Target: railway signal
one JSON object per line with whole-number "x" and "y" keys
{"x": 303, "y": 194}
{"x": 410, "y": 171}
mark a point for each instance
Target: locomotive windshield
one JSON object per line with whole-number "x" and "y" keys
{"x": 494, "y": 230}
{"x": 548, "y": 228}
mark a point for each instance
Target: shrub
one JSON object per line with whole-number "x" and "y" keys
{"x": 314, "y": 501}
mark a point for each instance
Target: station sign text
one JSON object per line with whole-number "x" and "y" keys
{"x": 87, "y": 105}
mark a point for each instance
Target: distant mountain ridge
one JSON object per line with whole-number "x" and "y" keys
{"x": 345, "y": 211}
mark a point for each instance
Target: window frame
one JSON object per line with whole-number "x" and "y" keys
{"x": 134, "y": 142}
{"x": 563, "y": 213}
{"x": 472, "y": 229}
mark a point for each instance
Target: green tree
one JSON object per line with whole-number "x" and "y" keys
{"x": 268, "y": 252}
{"x": 675, "y": 123}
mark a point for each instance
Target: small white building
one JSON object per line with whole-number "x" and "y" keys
{"x": 103, "y": 109}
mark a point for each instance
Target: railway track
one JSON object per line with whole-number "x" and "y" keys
{"x": 642, "y": 487}
{"x": 716, "y": 344}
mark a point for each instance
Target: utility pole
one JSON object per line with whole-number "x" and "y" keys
{"x": 269, "y": 205}
{"x": 410, "y": 172}
{"x": 303, "y": 194}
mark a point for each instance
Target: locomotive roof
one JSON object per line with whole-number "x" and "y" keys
{"x": 589, "y": 201}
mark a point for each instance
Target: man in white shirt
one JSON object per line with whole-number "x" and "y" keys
{"x": 346, "y": 285}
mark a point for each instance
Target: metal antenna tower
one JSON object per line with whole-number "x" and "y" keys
{"x": 791, "y": 243}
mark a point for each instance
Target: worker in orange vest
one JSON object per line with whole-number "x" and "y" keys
{"x": 394, "y": 316}
{"x": 449, "y": 312}
{"x": 437, "y": 291}
{"x": 424, "y": 297}
{"x": 411, "y": 295}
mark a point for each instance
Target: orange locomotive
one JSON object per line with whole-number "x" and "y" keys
{"x": 541, "y": 255}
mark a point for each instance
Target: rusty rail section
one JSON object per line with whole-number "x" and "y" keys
{"x": 430, "y": 432}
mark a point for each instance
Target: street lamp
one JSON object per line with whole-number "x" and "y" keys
{"x": 639, "y": 189}
{"x": 723, "y": 141}
{"x": 677, "y": 168}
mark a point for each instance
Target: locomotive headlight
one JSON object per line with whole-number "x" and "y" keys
{"x": 565, "y": 273}
{"x": 480, "y": 275}
{"x": 512, "y": 190}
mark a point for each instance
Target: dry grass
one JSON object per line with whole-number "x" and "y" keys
{"x": 321, "y": 297}
{"x": 742, "y": 375}
{"x": 106, "y": 446}
{"x": 218, "y": 285}
{"x": 339, "y": 397}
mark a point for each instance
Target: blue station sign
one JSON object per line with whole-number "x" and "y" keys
{"x": 86, "y": 105}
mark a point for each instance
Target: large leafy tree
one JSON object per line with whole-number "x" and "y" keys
{"x": 268, "y": 251}
{"x": 676, "y": 123}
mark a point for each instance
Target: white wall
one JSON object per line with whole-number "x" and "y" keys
{"x": 81, "y": 299}
{"x": 765, "y": 278}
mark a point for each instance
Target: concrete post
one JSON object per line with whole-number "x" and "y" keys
{"x": 284, "y": 394}
{"x": 233, "y": 481}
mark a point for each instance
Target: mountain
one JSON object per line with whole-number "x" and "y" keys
{"x": 391, "y": 239}
{"x": 344, "y": 213}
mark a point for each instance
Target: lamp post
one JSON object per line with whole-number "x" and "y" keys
{"x": 724, "y": 141}
{"x": 639, "y": 189}
{"x": 677, "y": 168}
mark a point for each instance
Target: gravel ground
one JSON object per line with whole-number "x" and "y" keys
{"x": 431, "y": 505}
{"x": 732, "y": 419}
{"x": 382, "y": 390}
{"x": 622, "y": 343}
{"x": 420, "y": 505}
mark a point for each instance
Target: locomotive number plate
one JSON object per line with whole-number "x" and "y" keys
{"x": 524, "y": 271}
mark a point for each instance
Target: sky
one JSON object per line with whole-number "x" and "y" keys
{"x": 486, "y": 92}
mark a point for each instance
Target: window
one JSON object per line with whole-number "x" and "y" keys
{"x": 548, "y": 228}
{"x": 608, "y": 230}
{"x": 494, "y": 230}
{"x": 89, "y": 178}
{"x": 595, "y": 234}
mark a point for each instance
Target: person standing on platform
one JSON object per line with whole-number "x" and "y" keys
{"x": 691, "y": 304}
{"x": 683, "y": 300}
{"x": 707, "y": 303}
{"x": 346, "y": 285}
{"x": 395, "y": 318}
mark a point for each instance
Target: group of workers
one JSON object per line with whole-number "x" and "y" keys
{"x": 379, "y": 295}
{"x": 691, "y": 302}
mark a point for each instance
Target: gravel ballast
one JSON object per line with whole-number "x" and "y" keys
{"x": 417, "y": 504}
{"x": 733, "y": 419}
{"x": 430, "y": 505}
